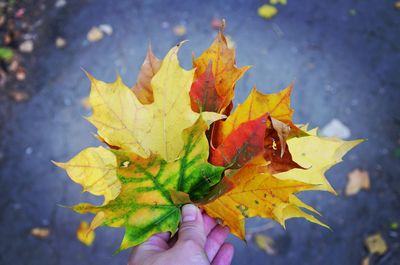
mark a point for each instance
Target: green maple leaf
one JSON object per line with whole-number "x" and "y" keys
{"x": 144, "y": 205}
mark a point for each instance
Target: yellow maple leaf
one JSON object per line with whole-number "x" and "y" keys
{"x": 123, "y": 121}
{"x": 85, "y": 234}
{"x": 316, "y": 154}
{"x": 265, "y": 243}
{"x": 376, "y": 244}
{"x": 258, "y": 193}
{"x": 95, "y": 170}
{"x": 267, "y": 11}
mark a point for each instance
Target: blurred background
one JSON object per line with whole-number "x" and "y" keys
{"x": 343, "y": 54}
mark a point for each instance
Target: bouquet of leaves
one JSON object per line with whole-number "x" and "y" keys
{"x": 175, "y": 138}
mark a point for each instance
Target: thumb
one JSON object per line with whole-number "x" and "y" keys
{"x": 192, "y": 226}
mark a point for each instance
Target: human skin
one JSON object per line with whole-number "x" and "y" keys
{"x": 200, "y": 241}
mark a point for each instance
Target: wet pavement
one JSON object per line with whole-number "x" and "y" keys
{"x": 344, "y": 56}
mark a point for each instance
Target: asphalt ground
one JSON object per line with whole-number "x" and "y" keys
{"x": 344, "y": 56}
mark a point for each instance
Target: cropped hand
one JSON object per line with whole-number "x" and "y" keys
{"x": 200, "y": 241}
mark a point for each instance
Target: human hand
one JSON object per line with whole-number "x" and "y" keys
{"x": 200, "y": 242}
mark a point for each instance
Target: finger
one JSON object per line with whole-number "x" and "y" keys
{"x": 164, "y": 236}
{"x": 155, "y": 244}
{"x": 192, "y": 226}
{"x": 215, "y": 240}
{"x": 224, "y": 255}
{"x": 209, "y": 223}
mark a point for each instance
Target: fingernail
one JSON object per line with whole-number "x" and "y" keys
{"x": 189, "y": 213}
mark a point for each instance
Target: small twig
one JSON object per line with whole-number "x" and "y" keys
{"x": 260, "y": 228}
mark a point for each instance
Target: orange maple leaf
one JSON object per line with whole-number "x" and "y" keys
{"x": 148, "y": 70}
{"x": 224, "y": 68}
{"x": 258, "y": 193}
{"x": 279, "y": 127}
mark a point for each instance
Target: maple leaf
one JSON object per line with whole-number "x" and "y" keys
{"x": 142, "y": 88}
{"x": 267, "y": 11}
{"x": 144, "y": 205}
{"x": 123, "y": 121}
{"x": 241, "y": 145}
{"x": 357, "y": 180}
{"x": 85, "y": 234}
{"x": 203, "y": 93}
{"x": 281, "y": 161}
{"x": 276, "y": 105}
{"x": 278, "y": 127}
{"x": 224, "y": 70}
{"x": 162, "y": 153}
{"x": 265, "y": 243}
{"x": 95, "y": 170}
{"x": 316, "y": 155}
{"x": 258, "y": 193}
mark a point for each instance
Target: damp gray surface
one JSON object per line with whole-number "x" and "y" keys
{"x": 345, "y": 64}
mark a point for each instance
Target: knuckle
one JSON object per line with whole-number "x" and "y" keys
{"x": 190, "y": 244}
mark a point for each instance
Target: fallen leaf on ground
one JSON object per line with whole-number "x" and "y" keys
{"x": 60, "y": 42}
{"x": 106, "y": 28}
{"x": 275, "y": 2}
{"x": 13, "y": 66}
{"x": 217, "y": 23}
{"x": 19, "y": 95}
{"x": 265, "y": 243}
{"x": 352, "y": 12}
{"x": 376, "y": 244}
{"x": 40, "y": 232}
{"x": 60, "y": 3}
{"x": 394, "y": 226}
{"x": 335, "y": 128}
{"x": 20, "y": 13}
{"x": 94, "y": 34}
{"x": 179, "y": 30}
{"x": 357, "y": 180}
{"x": 267, "y": 11}
{"x": 26, "y": 46}
{"x": 85, "y": 102}
{"x": 20, "y": 74}
{"x": 6, "y": 53}
{"x": 365, "y": 261}
{"x": 85, "y": 234}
